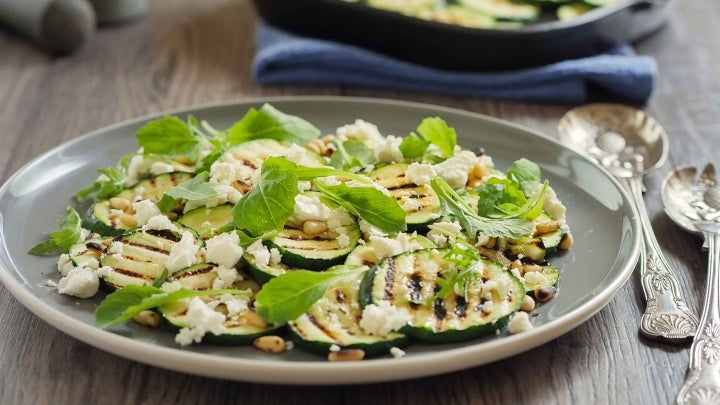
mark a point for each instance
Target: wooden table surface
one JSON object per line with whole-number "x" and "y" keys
{"x": 190, "y": 52}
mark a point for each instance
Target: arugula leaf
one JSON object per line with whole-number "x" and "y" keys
{"x": 129, "y": 301}
{"x": 436, "y": 131}
{"x": 271, "y": 202}
{"x": 452, "y": 204}
{"x": 305, "y": 173}
{"x": 70, "y": 233}
{"x": 289, "y": 295}
{"x": 413, "y": 147}
{"x": 526, "y": 173}
{"x": 352, "y": 154}
{"x": 195, "y": 189}
{"x": 369, "y": 204}
{"x": 110, "y": 183}
{"x": 268, "y": 122}
{"x": 168, "y": 136}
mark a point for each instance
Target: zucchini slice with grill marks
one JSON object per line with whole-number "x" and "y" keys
{"x": 207, "y": 221}
{"x": 410, "y": 281}
{"x": 240, "y": 329}
{"x": 548, "y": 276}
{"x": 334, "y": 320}
{"x": 262, "y": 273}
{"x": 106, "y": 221}
{"x": 320, "y": 250}
{"x": 365, "y": 254}
{"x": 85, "y": 252}
{"x": 420, "y": 203}
{"x": 140, "y": 259}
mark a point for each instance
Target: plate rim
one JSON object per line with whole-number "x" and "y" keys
{"x": 316, "y": 372}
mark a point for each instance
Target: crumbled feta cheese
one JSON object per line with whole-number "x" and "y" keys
{"x": 343, "y": 240}
{"x": 552, "y": 205}
{"x": 438, "y": 237}
{"x": 183, "y": 253}
{"x": 369, "y": 229}
{"x": 310, "y": 208}
{"x": 160, "y": 223}
{"x": 80, "y": 282}
{"x": 409, "y": 204}
{"x": 116, "y": 247}
{"x": 171, "y": 286}
{"x": 295, "y": 153}
{"x": 222, "y": 173}
{"x": 137, "y": 168}
{"x": 51, "y": 283}
{"x": 144, "y": 210}
{"x": 382, "y": 318}
{"x": 495, "y": 288}
{"x": 328, "y": 181}
{"x": 84, "y": 233}
{"x": 387, "y": 247}
{"x": 488, "y": 306}
{"x": 289, "y": 345}
{"x": 361, "y": 131}
{"x": 455, "y": 170}
{"x": 420, "y": 173}
{"x": 389, "y": 150}
{"x": 520, "y": 322}
{"x": 335, "y": 348}
{"x": 260, "y": 252}
{"x": 534, "y": 277}
{"x": 304, "y": 186}
{"x": 226, "y": 277}
{"x": 64, "y": 264}
{"x": 397, "y": 352}
{"x": 235, "y": 304}
{"x": 201, "y": 320}
{"x": 275, "y": 257}
{"x": 224, "y": 249}
{"x": 338, "y": 218}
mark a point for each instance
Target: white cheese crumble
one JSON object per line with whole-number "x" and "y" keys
{"x": 224, "y": 249}
{"x": 226, "y": 277}
{"x": 387, "y": 247}
{"x": 382, "y": 318}
{"x": 397, "y": 352}
{"x": 144, "y": 210}
{"x": 295, "y": 153}
{"x": 310, "y": 208}
{"x": 183, "y": 253}
{"x": 335, "y": 348}
{"x": 438, "y": 237}
{"x": 160, "y": 168}
{"x": 160, "y": 223}
{"x": 81, "y": 282}
{"x": 420, "y": 173}
{"x": 362, "y": 131}
{"x": 137, "y": 168}
{"x": 389, "y": 150}
{"x": 201, "y": 320}
{"x": 260, "y": 252}
{"x": 343, "y": 240}
{"x": 64, "y": 264}
{"x": 455, "y": 170}
{"x": 552, "y": 205}
{"x": 275, "y": 256}
{"x": 520, "y": 322}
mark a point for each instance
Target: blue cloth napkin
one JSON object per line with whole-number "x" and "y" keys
{"x": 284, "y": 58}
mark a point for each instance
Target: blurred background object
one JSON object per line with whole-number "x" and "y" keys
{"x": 118, "y": 11}
{"x": 60, "y": 26}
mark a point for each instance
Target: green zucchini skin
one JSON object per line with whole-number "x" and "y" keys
{"x": 207, "y": 221}
{"x": 101, "y": 221}
{"x": 264, "y": 273}
{"x": 392, "y": 177}
{"x": 409, "y": 281}
{"x": 201, "y": 277}
{"x": 334, "y": 320}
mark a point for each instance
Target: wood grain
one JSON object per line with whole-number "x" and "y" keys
{"x": 191, "y": 52}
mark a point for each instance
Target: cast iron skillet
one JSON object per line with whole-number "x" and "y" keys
{"x": 458, "y": 48}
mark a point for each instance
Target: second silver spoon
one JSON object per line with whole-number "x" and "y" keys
{"x": 630, "y": 143}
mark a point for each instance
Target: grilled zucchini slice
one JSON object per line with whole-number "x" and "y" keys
{"x": 207, "y": 221}
{"x": 410, "y": 281}
{"x": 425, "y": 204}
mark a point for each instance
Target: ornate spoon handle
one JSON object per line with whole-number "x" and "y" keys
{"x": 666, "y": 316}
{"x": 702, "y": 383}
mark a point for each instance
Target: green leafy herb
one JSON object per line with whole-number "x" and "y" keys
{"x": 286, "y": 297}
{"x": 500, "y": 198}
{"x": 270, "y": 203}
{"x": 195, "y": 189}
{"x": 129, "y": 301}
{"x": 527, "y": 174}
{"x": 110, "y": 183}
{"x": 70, "y": 233}
{"x": 463, "y": 255}
{"x": 437, "y": 131}
{"x": 305, "y": 173}
{"x": 452, "y": 204}
{"x": 413, "y": 147}
{"x": 352, "y": 154}
{"x": 369, "y": 204}
{"x": 268, "y": 122}
{"x": 168, "y": 136}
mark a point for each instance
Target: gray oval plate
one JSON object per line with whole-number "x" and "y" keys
{"x": 606, "y": 249}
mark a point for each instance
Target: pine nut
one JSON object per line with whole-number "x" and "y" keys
{"x": 254, "y": 319}
{"x": 547, "y": 226}
{"x": 566, "y": 242}
{"x": 517, "y": 264}
{"x": 119, "y": 203}
{"x": 527, "y": 268}
{"x": 528, "y": 304}
{"x": 544, "y": 292}
{"x": 270, "y": 344}
{"x": 314, "y": 227}
{"x": 128, "y": 220}
{"x": 347, "y": 355}
{"x": 147, "y": 318}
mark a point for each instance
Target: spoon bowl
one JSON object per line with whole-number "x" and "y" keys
{"x": 628, "y": 143}
{"x": 623, "y": 139}
{"x": 693, "y": 204}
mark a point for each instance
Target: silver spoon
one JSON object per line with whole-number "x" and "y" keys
{"x": 630, "y": 143}
{"x": 695, "y": 206}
